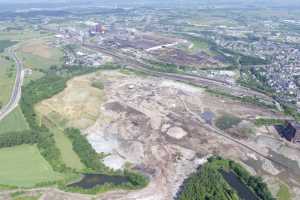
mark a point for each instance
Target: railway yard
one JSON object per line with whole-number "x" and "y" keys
{"x": 144, "y": 98}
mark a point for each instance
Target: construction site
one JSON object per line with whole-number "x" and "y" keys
{"x": 166, "y": 129}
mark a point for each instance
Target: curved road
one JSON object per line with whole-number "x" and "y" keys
{"x": 16, "y": 92}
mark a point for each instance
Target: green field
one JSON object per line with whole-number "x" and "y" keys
{"x": 34, "y": 76}
{"x": 283, "y": 193}
{"x": 64, "y": 144}
{"x": 18, "y": 35}
{"x": 37, "y": 62}
{"x": 7, "y": 79}
{"x": 5, "y": 44}
{"x": 24, "y": 166}
{"x": 56, "y": 124}
{"x": 202, "y": 45}
{"x": 15, "y": 121}
{"x": 206, "y": 19}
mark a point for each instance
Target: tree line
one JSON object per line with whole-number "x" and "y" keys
{"x": 84, "y": 150}
{"x": 33, "y": 93}
{"x": 207, "y": 183}
{"x": 17, "y": 138}
{"x": 254, "y": 182}
{"x": 46, "y": 87}
{"x": 52, "y": 83}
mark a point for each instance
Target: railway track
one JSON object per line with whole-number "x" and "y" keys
{"x": 198, "y": 80}
{"x": 236, "y": 141}
{"x": 194, "y": 79}
{"x": 133, "y": 63}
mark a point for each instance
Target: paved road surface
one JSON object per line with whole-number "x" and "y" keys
{"x": 16, "y": 92}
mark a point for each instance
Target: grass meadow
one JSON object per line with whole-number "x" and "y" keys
{"x": 14, "y": 122}
{"x": 24, "y": 166}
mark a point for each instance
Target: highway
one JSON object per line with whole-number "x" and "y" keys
{"x": 16, "y": 92}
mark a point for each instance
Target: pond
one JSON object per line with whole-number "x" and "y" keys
{"x": 90, "y": 181}
{"x": 208, "y": 116}
{"x": 242, "y": 190}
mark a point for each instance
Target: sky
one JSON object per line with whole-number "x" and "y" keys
{"x": 249, "y": 2}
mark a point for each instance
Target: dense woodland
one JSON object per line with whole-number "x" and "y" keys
{"x": 17, "y": 138}
{"x": 208, "y": 183}
{"x": 255, "y": 183}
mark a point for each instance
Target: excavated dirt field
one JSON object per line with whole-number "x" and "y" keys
{"x": 157, "y": 126}
{"x": 182, "y": 58}
{"x": 76, "y": 106}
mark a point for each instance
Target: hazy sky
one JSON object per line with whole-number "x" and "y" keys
{"x": 252, "y": 2}
{"x": 31, "y": 1}
{"x": 50, "y": 1}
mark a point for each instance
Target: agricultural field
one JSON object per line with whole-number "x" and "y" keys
{"x": 5, "y": 44}
{"x": 64, "y": 144}
{"x": 17, "y": 35}
{"x": 205, "y": 20}
{"x": 15, "y": 121}
{"x": 126, "y": 118}
{"x": 24, "y": 166}
{"x": 37, "y": 54}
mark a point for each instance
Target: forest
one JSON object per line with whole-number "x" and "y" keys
{"x": 208, "y": 183}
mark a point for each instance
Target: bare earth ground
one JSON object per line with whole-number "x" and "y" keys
{"x": 155, "y": 125}
{"x": 76, "y": 106}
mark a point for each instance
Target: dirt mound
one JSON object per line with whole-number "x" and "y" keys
{"x": 176, "y": 132}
